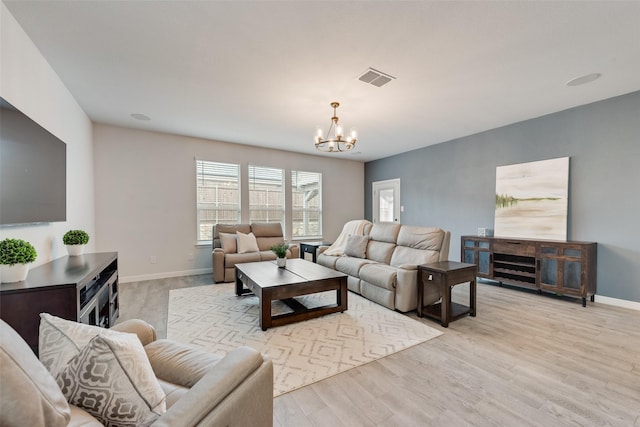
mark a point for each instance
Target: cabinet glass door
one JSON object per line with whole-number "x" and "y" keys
{"x": 549, "y": 271}
{"x": 469, "y": 256}
{"x": 484, "y": 262}
{"x": 572, "y": 274}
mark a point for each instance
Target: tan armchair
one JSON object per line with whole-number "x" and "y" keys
{"x": 224, "y": 259}
{"x": 201, "y": 389}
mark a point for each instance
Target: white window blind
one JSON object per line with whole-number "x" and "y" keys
{"x": 218, "y": 196}
{"x": 266, "y": 194}
{"x": 306, "y": 204}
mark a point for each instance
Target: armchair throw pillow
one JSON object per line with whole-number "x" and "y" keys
{"x": 60, "y": 340}
{"x": 112, "y": 379}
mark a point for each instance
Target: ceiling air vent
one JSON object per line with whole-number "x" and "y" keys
{"x": 375, "y": 77}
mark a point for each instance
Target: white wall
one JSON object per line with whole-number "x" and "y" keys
{"x": 29, "y": 83}
{"x": 146, "y": 196}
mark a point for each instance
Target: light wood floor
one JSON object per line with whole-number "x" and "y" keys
{"x": 525, "y": 360}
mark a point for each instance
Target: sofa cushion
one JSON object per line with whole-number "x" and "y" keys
{"x": 230, "y": 260}
{"x": 246, "y": 243}
{"x": 29, "y": 396}
{"x": 404, "y": 255}
{"x": 228, "y": 243}
{"x": 111, "y": 378}
{"x": 328, "y": 261}
{"x": 60, "y": 340}
{"x": 268, "y": 255}
{"x": 385, "y": 232}
{"x": 380, "y": 251}
{"x": 350, "y": 265}
{"x": 231, "y": 229}
{"x": 356, "y": 246}
{"x": 265, "y": 243}
{"x": 381, "y": 275}
{"x": 178, "y": 363}
{"x": 267, "y": 229}
{"x": 429, "y": 238}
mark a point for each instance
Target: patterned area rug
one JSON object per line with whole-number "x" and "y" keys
{"x": 213, "y": 318}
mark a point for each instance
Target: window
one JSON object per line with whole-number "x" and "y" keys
{"x": 266, "y": 194}
{"x": 218, "y": 196}
{"x": 306, "y": 204}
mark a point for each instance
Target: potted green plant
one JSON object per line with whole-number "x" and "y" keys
{"x": 15, "y": 256}
{"x": 75, "y": 241}
{"x": 280, "y": 250}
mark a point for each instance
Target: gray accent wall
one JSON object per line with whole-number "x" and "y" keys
{"x": 452, "y": 184}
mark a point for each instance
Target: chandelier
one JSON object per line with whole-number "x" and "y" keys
{"x": 335, "y": 140}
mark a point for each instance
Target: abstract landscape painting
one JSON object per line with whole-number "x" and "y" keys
{"x": 532, "y": 199}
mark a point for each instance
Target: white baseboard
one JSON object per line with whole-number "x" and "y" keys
{"x": 618, "y": 302}
{"x": 167, "y": 275}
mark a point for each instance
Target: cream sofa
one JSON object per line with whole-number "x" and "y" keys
{"x": 201, "y": 389}
{"x": 386, "y": 269}
{"x": 225, "y": 260}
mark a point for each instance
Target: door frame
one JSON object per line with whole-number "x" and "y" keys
{"x": 376, "y": 187}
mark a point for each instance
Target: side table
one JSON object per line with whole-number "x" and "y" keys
{"x": 447, "y": 274}
{"x": 311, "y": 249}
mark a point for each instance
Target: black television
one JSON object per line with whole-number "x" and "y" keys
{"x": 33, "y": 171}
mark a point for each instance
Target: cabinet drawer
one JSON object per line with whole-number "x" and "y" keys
{"x": 515, "y": 248}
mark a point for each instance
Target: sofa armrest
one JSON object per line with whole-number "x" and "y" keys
{"x": 237, "y": 391}
{"x": 145, "y": 332}
{"x": 295, "y": 250}
{"x": 406, "y": 288}
{"x": 217, "y": 259}
{"x": 321, "y": 249}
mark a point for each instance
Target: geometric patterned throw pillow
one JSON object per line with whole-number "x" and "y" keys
{"x": 59, "y": 340}
{"x": 111, "y": 378}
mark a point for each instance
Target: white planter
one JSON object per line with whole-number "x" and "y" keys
{"x": 75, "y": 250}
{"x": 282, "y": 262}
{"x": 13, "y": 273}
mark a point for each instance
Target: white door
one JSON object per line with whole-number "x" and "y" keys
{"x": 386, "y": 201}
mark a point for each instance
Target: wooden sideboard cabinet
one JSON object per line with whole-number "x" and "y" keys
{"x": 81, "y": 288}
{"x": 563, "y": 268}
{"x": 478, "y": 251}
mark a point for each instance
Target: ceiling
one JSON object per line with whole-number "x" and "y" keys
{"x": 263, "y": 73}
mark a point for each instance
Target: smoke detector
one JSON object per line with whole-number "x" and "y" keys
{"x": 375, "y": 77}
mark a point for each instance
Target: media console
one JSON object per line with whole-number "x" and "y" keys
{"x": 82, "y": 288}
{"x": 562, "y": 267}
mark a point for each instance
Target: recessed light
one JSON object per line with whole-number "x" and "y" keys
{"x": 138, "y": 116}
{"x": 583, "y": 80}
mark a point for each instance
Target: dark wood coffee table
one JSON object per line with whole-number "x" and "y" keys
{"x": 300, "y": 277}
